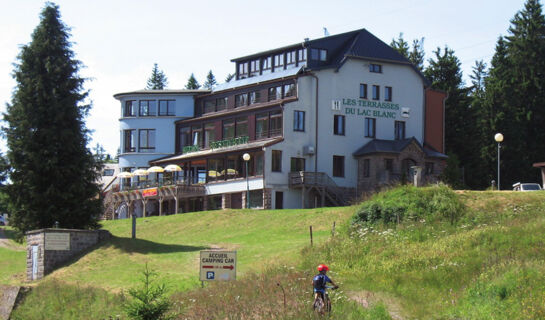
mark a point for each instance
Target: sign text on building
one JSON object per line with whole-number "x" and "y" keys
{"x": 57, "y": 241}
{"x": 218, "y": 265}
{"x": 149, "y": 192}
{"x": 367, "y": 108}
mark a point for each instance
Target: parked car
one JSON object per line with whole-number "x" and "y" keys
{"x": 526, "y": 187}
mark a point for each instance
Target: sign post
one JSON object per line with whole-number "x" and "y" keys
{"x": 218, "y": 265}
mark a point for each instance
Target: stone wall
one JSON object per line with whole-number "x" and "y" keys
{"x": 48, "y": 260}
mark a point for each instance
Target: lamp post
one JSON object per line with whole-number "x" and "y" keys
{"x": 499, "y": 138}
{"x": 246, "y": 158}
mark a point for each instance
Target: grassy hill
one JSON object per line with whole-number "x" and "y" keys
{"x": 487, "y": 264}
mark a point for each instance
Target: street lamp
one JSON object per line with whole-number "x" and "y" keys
{"x": 246, "y": 158}
{"x": 499, "y": 138}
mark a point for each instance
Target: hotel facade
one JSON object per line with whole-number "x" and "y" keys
{"x": 322, "y": 121}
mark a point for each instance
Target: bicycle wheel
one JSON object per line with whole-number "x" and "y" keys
{"x": 319, "y": 305}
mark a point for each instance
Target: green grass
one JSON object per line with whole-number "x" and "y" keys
{"x": 171, "y": 244}
{"x": 12, "y": 260}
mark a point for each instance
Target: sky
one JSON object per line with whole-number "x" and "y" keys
{"x": 118, "y": 41}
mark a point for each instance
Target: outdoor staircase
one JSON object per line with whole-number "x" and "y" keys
{"x": 323, "y": 185}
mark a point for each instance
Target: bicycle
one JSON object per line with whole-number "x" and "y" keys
{"x": 322, "y": 303}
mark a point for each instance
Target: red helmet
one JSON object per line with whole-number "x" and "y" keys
{"x": 323, "y": 267}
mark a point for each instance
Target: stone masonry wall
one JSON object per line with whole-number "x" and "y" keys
{"x": 48, "y": 260}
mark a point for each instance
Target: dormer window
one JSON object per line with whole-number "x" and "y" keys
{"x": 279, "y": 61}
{"x": 290, "y": 58}
{"x": 267, "y": 63}
{"x": 302, "y": 55}
{"x": 318, "y": 54}
{"x": 254, "y": 67}
{"x": 243, "y": 70}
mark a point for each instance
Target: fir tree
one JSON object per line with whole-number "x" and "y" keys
{"x": 400, "y": 45}
{"x": 416, "y": 56}
{"x": 210, "y": 81}
{"x": 53, "y": 172}
{"x": 192, "y": 83}
{"x": 515, "y": 95}
{"x": 230, "y": 77}
{"x": 157, "y": 80}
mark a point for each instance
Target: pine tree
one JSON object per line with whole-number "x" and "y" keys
{"x": 516, "y": 95}
{"x": 416, "y": 56}
{"x": 230, "y": 77}
{"x": 445, "y": 73}
{"x": 157, "y": 80}
{"x": 400, "y": 45}
{"x": 53, "y": 172}
{"x": 210, "y": 81}
{"x": 192, "y": 83}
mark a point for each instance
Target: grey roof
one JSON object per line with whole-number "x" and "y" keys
{"x": 257, "y": 79}
{"x": 161, "y": 92}
{"x": 393, "y": 146}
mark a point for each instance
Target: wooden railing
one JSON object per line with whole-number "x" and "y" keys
{"x": 318, "y": 179}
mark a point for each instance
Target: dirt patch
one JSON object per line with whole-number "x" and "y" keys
{"x": 5, "y": 242}
{"x": 368, "y": 298}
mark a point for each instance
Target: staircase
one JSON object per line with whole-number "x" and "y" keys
{"x": 326, "y": 188}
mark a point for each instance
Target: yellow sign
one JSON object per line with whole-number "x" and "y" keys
{"x": 218, "y": 265}
{"x": 57, "y": 241}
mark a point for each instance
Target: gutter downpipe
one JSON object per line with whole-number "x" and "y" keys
{"x": 316, "y": 126}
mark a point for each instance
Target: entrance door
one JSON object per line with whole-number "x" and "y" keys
{"x": 279, "y": 200}
{"x": 35, "y": 262}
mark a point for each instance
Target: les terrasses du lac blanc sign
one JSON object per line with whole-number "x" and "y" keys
{"x": 371, "y": 108}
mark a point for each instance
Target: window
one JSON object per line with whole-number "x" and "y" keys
{"x": 129, "y": 138}
{"x": 261, "y": 125}
{"x": 108, "y": 172}
{"x": 196, "y": 134}
{"x": 376, "y": 92}
{"x": 389, "y": 165}
{"x": 209, "y": 106}
{"x": 370, "y": 127}
{"x": 302, "y": 55}
{"x": 338, "y": 166}
{"x": 243, "y": 69}
{"x": 146, "y": 140}
{"x": 388, "y": 94}
{"x": 148, "y": 108}
{"x": 130, "y": 109}
{"x": 241, "y": 128}
{"x": 228, "y": 129}
{"x": 184, "y": 138}
{"x": 366, "y": 168}
{"x": 167, "y": 107}
{"x": 290, "y": 57}
{"x": 209, "y": 134}
{"x": 297, "y": 164}
{"x": 289, "y": 90}
{"x": 254, "y": 67}
{"x": 276, "y": 161}
{"x": 429, "y": 168}
{"x": 279, "y": 61}
{"x": 399, "y": 130}
{"x": 276, "y": 123}
{"x": 241, "y": 100}
{"x": 363, "y": 91}
{"x": 221, "y": 104}
{"x": 377, "y": 68}
{"x": 338, "y": 125}
{"x": 267, "y": 63}
{"x": 318, "y": 54}
{"x": 275, "y": 93}
{"x": 298, "y": 120}
{"x": 255, "y": 97}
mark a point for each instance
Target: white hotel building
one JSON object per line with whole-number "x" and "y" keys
{"x": 323, "y": 121}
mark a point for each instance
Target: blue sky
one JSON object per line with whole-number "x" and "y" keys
{"x": 119, "y": 40}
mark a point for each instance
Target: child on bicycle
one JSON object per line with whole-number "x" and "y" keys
{"x": 320, "y": 280}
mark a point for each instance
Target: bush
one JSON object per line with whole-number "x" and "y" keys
{"x": 411, "y": 203}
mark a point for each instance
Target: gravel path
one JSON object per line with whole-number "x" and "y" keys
{"x": 6, "y": 243}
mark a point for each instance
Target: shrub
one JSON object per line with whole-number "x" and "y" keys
{"x": 411, "y": 203}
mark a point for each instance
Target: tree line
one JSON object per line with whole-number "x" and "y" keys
{"x": 506, "y": 97}
{"x": 159, "y": 81}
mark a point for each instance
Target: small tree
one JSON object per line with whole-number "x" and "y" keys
{"x": 230, "y": 77}
{"x": 157, "y": 80}
{"x": 210, "y": 81}
{"x": 149, "y": 302}
{"x": 192, "y": 83}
